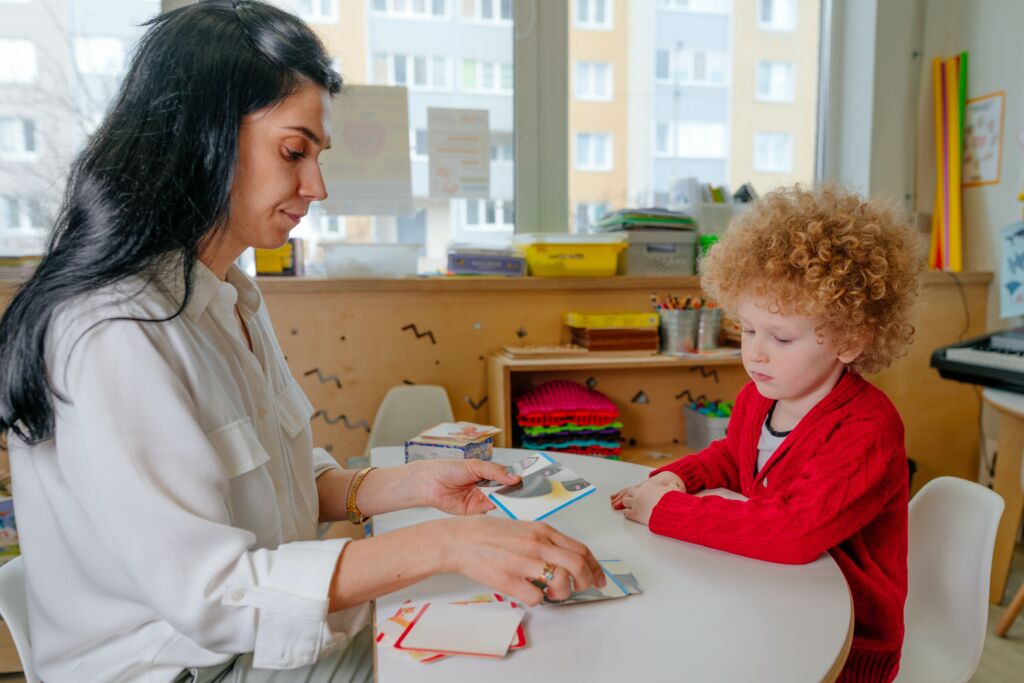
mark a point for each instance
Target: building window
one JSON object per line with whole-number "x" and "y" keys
{"x": 662, "y": 66}
{"x": 594, "y": 81}
{"x": 418, "y": 145}
{"x": 18, "y": 139}
{"x": 594, "y": 151}
{"x": 502, "y": 149}
{"x": 776, "y": 15}
{"x": 487, "y": 77}
{"x": 775, "y": 81}
{"x": 99, "y": 56}
{"x": 17, "y": 61}
{"x": 691, "y": 66}
{"x": 595, "y": 15}
{"x": 412, "y": 9}
{"x": 700, "y": 140}
{"x": 663, "y": 139}
{"x": 490, "y": 215}
{"x": 773, "y": 152}
{"x": 488, "y": 11}
{"x": 20, "y": 213}
{"x": 319, "y": 11}
{"x": 588, "y": 213}
{"x": 417, "y": 72}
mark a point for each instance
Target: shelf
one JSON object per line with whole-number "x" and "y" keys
{"x": 585, "y": 361}
{"x": 642, "y": 455}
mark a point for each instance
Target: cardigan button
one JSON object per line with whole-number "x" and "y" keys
{"x": 764, "y": 482}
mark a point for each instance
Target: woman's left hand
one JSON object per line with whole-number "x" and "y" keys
{"x": 450, "y": 485}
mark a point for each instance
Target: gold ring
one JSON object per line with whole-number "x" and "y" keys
{"x": 547, "y": 574}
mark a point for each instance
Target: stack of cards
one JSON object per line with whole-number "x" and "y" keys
{"x": 452, "y": 440}
{"x": 621, "y": 583}
{"x": 546, "y": 487}
{"x": 483, "y": 626}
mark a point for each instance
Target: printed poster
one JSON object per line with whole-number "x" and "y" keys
{"x": 1011, "y": 271}
{"x": 459, "y": 144}
{"x": 367, "y": 170}
{"x": 983, "y": 140}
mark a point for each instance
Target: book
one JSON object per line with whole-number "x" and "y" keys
{"x": 458, "y": 440}
{"x": 458, "y": 432}
{"x": 546, "y": 486}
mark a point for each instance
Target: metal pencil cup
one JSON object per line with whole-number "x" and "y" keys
{"x": 709, "y": 328}
{"x": 678, "y": 331}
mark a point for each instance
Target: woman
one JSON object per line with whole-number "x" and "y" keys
{"x": 168, "y": 493}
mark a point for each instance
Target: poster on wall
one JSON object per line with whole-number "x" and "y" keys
{"x": 1011, "y": 271}
{"x": 367, "y": 171}
{"x": 458, "y": 141}
{"x": 983, "y": 139}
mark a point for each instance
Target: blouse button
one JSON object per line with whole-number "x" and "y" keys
{"x": 262, "y": 412}
{"x": 237, "y": 596}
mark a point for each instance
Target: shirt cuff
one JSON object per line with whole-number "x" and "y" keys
{"x": 323, "y": 461}
{"x": 292, "y": 627}
{"x": 687, "y": 469}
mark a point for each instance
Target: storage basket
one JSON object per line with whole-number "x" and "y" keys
{"x": 659, "y": 252}
{"x": 703, "y": 429}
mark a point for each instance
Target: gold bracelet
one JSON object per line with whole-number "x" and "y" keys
{"x": 354, "y": 515}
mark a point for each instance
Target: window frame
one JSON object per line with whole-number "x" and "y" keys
{"x": 757, "y": 163}
{"x": 592, "y": 166}
{"x": 786, "y": 98}
{"x": 774, "y": 24}
{"x": 590, "y": 22}
{"x": 29, "y": 133}
{"x": 389, "y": 12}
{"x": 608, "y": 84}
{"x": 315, "y": 17}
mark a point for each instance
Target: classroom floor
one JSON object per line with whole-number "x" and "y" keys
{"x": 1001, "y": 658}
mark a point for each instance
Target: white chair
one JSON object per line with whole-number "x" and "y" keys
{"x": 952, "y": 532}
{"x": 406, "y": 411}
{"x": 14, "y": 611}
{"x": 1017, "y": 603}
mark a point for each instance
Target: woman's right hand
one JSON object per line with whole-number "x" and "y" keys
{"x": 510, "y": 556}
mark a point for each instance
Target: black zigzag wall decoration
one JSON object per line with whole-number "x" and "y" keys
{"x": 690, "y": 397}
{"x": 428, "y": 333}
{"x": 713, "y": 372}
{"x": 474, "y": 405}
{"x": 323, "y": 378}
{"x": 350, "y": 424}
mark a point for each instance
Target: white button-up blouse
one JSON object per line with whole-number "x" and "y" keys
{"x": 171, "y": 521}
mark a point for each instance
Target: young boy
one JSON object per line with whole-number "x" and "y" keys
{"x": 823, "y": 283}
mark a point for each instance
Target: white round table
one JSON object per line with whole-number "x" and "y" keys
{"x": 705, "y": 615}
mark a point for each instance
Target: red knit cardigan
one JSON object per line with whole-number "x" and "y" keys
{"x": 837, "y": 483}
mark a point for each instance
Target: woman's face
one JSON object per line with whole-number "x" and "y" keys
{"x": 278, "y": 172}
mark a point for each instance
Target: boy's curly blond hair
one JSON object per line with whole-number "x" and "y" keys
{"x": 825, "y": 253}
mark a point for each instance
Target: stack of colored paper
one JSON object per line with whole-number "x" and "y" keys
{"x": 486, "y": 625}
{"x": 566, "y": 417}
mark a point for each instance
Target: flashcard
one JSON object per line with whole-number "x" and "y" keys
{"x": 546, "y": 487}
{"x": 484, "y": 630}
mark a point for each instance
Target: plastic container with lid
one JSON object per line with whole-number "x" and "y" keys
{"x": 353, "y": 259}
{"x": 569, "y": 255}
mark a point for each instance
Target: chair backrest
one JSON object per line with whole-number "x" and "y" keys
{"x": 14, "y": 610}
{"x": 406, "y": 411}
{"x": 952, "y": 533}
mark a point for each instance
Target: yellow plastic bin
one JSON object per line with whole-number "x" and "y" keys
{"x": 561, "y": 256}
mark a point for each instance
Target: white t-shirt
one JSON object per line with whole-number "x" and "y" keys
{"x": 769, "y": 441}
{"x": 172, "y": 520}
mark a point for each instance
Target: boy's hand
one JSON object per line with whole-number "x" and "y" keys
{"x": 664, "y": 478}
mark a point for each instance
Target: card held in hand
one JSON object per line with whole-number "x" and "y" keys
{"x": 546, "y": 486}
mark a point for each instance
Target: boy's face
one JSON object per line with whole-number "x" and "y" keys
{"x": 785, "y": 356}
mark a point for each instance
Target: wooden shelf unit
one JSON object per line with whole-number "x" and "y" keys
{"x": 649, "y": 390}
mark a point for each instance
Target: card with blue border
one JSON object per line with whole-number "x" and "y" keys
{"x": 546, "y": 486}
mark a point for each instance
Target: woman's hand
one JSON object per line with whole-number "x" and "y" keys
{"x": 450, "y": 485}
{"x": 511, "y": 556}
{"x": 666, "y": 478}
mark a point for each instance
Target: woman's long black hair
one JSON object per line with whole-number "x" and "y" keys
{"x": 154, "y": 178}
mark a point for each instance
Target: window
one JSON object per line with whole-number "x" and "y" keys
{"x": 319, "y": 11}
{"x": 17, "y": 61}
{"x": 594, "y": 151}
{"x": 688, "y": 66}
{"x": 20, "y": 213}
{"x": 663, "y": 146}
{"x": 700, "y": 140}
{"x": 502, "y": 149}
{"x": 99, "y": 56}
{"x": 494, "y": 215}
{"x": 418, "y": 145}
{"x": 594, "y": 81}
{"x": 773, "y": 152}
{"x": 417, "y": 72}
{"x": 412, "y": 9}
{"x": 595, "y": 15}
{"x": 488, "y": 11}
{"x": 775, "y": 81}
{"x": 487, "y": 77}
{"x": 17, "y": 139}
{"x": 588, "y": 213}
{"x": 776, "y": 15}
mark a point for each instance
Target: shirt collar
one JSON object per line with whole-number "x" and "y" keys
{"x": 205, "y": 286}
